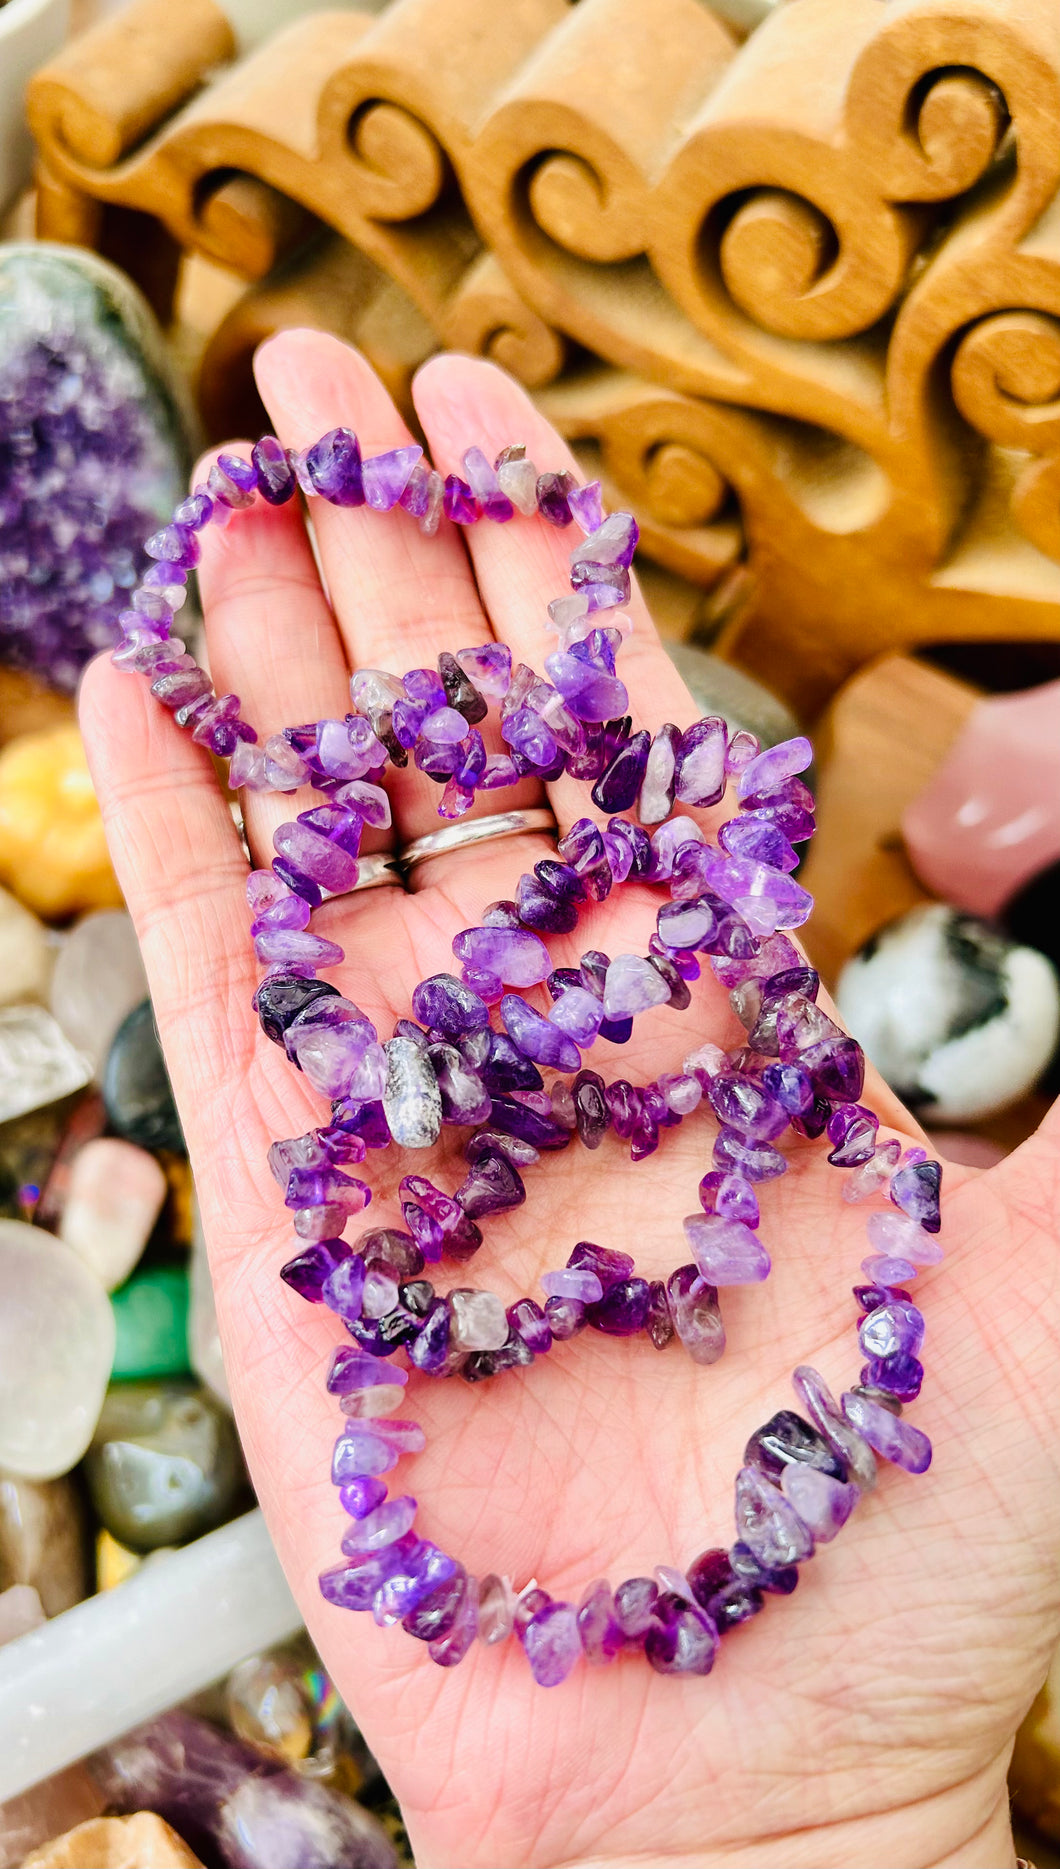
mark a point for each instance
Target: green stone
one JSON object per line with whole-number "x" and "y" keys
{"x": 164, "y": 1465}
{"x": 151, "y": 1316}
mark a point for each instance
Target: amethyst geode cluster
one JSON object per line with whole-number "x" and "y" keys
{"x": 92, "y": 454}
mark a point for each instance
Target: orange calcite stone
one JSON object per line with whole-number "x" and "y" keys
{"x": 53, "y": 853}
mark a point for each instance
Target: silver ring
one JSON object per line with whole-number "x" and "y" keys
{"x": 477, "y": 831}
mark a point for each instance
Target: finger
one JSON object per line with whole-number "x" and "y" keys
{"x": 182, "y": 871}
{"x": 521, "y": 566}
{"x": 271, "y": 638}
{"x": 399, "y": 597}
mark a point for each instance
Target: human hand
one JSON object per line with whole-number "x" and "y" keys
{"x": 869, "y": 1720}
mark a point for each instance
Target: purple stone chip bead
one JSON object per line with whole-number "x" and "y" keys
{"x": 893, "y": 1439}
{"x": 276, "y": 477}
{"x": 681, "y": 1639}
{"x": 768, "y": 1524}
{"x": 696, "y": 1317}
{"x": 602, "y": 1636}
{"x": 552, "y": 1643}
{"x": 727, "y": 1252}
{"x": 333, "y": 465}
{"x": 822, "y": 1503}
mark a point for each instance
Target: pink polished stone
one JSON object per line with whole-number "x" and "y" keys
{"x": 990, "y": 819}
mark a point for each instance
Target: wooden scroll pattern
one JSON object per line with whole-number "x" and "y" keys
{"x": 798, "y": 297}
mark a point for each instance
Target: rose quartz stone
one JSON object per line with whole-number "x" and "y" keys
{"x": 115, "y": 1196}
{"x": 990, "y": 819}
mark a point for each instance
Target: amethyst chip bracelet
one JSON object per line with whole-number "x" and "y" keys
{"x": 473, "y": 1054}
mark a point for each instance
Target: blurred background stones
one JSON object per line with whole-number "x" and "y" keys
{"x": 810, "y": 566}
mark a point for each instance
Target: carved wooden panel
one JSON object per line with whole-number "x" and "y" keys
{"x": 798, "y": 296}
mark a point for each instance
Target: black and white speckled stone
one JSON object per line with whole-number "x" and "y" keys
{"x": 958, "y": 1019}
{"x": 412, "y": 1102}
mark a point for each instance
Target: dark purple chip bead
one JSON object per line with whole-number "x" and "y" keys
{"x": 565, "y": 1317}
{"x": 915, "y": 1189}
{"x": 460, "y": 691}
{"x": 553, "y": 501}
{"x": 901, "y": 1376}
{"x": 542, "y": 910}
{"x": 275, "y": 475}
{"x": 437, "y": 1612}
{"x": 308, "y": 1272}
{"x": 446, "y": 1004}
{"x": 724, "y": 1596}
{"x": 334, "y": 467}
{"x": 590, "y": 1108}
{"x": 389, "y": 1246}
{"x": 623, "y": 1103}
{"x": 623, "y": 1309}
{"x": 786, "y": 1439}
{"x": 281, "y": 997}
{"x": 683, "y": 1640}
{"x": 617, "y": 789}
{"x": 516, "y": 1119}
{"x": 610, "y": 1266}
{"x": 515, "y": 1353}
{"x": 778, "y": 1581}
{"x": 492, "y": 1187}
{"x": 659, "y": 1324}
{"x": 527, "y": 1318}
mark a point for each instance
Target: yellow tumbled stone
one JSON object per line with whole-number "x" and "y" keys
{"x": 142, "y": 1841}
{"x": 114, "y": 1562}
{"x": 53, "y": 854}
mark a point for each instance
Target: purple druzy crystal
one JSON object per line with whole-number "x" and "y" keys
{"x": 91, "y": 458}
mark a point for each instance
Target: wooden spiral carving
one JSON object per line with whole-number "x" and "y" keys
{"x": 795, "y": 296}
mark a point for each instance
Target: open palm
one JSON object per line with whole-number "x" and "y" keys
{"x": 868, "y": 1720}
